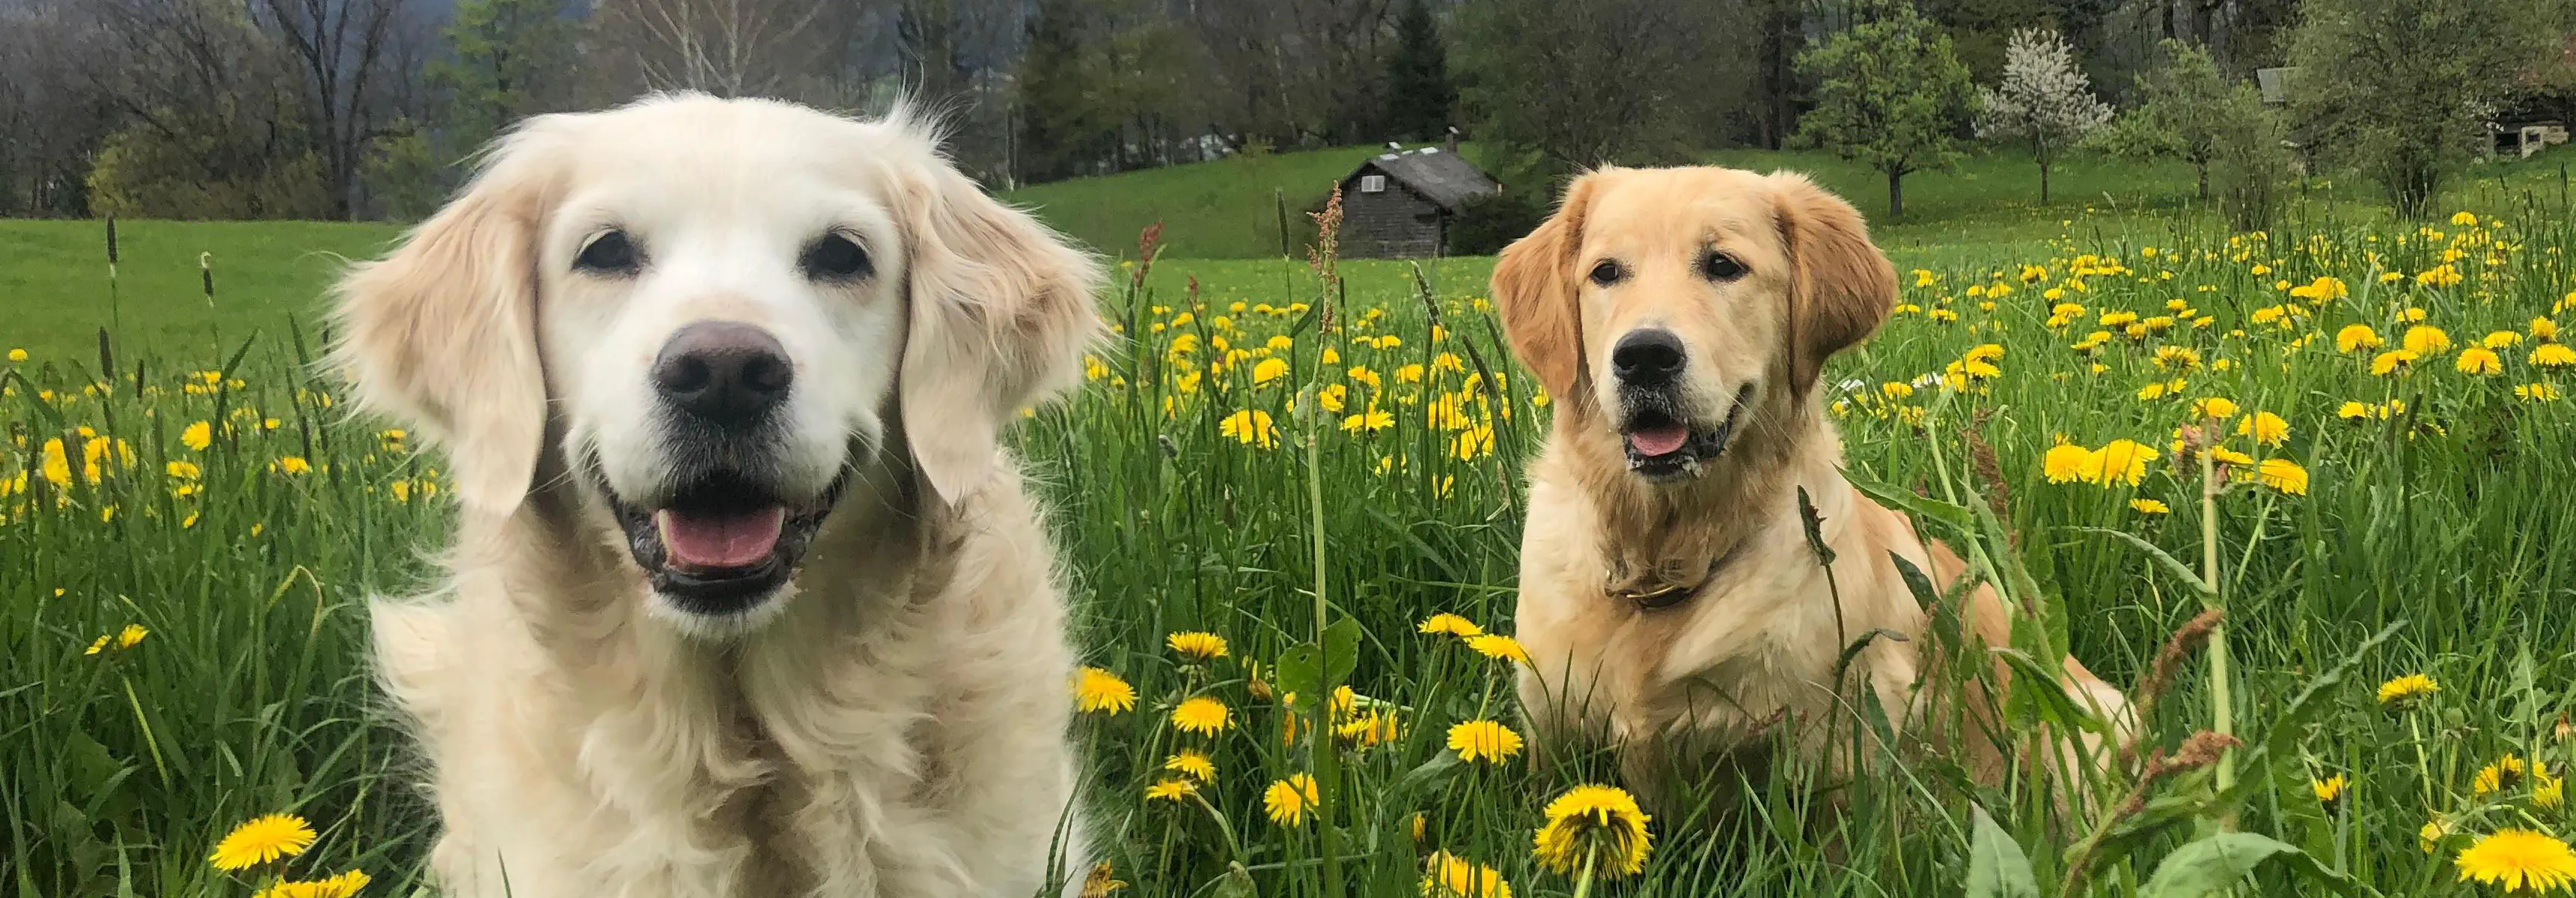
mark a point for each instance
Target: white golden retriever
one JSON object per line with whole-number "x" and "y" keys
{"x": 744, "y": 599}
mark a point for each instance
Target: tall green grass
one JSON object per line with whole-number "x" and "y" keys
{"x": 2454, "y": 520}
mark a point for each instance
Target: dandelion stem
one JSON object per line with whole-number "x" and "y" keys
{"x": 1583, "y": 886}
{"x": 2222, "y": 711}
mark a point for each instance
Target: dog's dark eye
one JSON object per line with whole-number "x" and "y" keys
{"x": 835, "y": 257}
{"x": 609, "y": 253}
{"x": 1607, "y": 272}
{"x": 1717, "y": 266}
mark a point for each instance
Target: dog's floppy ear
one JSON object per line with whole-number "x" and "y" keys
{"x": 441, "y": 334}
{"x": 1001, "y": 309}
{"x": 1840, "y": 286}
{"x": 1534, "y": 293}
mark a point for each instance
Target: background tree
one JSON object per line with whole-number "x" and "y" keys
{"x": 1890, "y": 93}
{"x": 345, "y": 53}
{"x": 2044, "y": 97}
{"x": 1418, "y": 93}
{"x": 506, "y": 60}
{"x": 1570, "y": 85}
{"x": 1064, "y": 129}
{"x": 2401, "y": 89}
{"x": 2183, "y": 105}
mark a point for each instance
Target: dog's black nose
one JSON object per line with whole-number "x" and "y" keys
{"x": 725, "y": 373}
{"x": 1647, "y": 357}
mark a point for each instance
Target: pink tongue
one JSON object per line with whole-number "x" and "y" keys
{"x": 716, "y": 541}
{"x": 1664, "y": 440}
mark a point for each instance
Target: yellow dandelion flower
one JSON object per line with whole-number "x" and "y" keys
{"x": 2553, "y": 355}
{"x": 1097, "y": 690}
{"x": 1196, "y": 644}
{"x": 131, "y": 636}
{"x": 2124, "y": 461}
{"x": 197, "y": 436}
{"x": 1445, "y": 622}
{"x": 1171, "y": 790}
{"x": 2536, "y": 392}
{"x": 2330, "y": 790}
{"x": 1251, "y": 426}
{"x": 1202, "y": 715}
{"x": 2355, "y": 337}
{"x": 2391, "y": 362}
{"x": 2218, "y": 408}
{"x": 262, "y": 840}
{"x": 2067, "y": 463}
{"x": 344, "y": 885}
{"x": 2501, "y": 340}
{"x": 2284, "y": 475}
{"x": 2149, "y": 506}
{"x": 1447, "y": 875}
{"x": 1269, "y": 370}
{"x": 1190, "y": 762}
{"x": 1484, "y": 739}
{"x": 1289, "y": 801}
{"x": 1493, "y": 645}
{"x": 2408, "y": 689}
{"x": 1100, "y": 882}
{"x": 2425, "y": 339}
{"x": 2266, "y": 428}
{"x": 1601, "y": 825}
{"x": 1369, "y": 729}
{"x": 2519, "y": 859}
{"x": 2548, "y": 791}
{"x": 2505, "y": 775}
{"x": 2479, "y": 361}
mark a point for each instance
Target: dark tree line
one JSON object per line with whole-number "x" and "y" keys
{"x": 360, "y": 108}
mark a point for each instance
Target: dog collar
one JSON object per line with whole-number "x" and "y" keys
{"x": 1669, "y": 596}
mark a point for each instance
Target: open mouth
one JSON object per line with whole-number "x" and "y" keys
{"x": 722, "y": 543}
{"x": 1662, "y": 444}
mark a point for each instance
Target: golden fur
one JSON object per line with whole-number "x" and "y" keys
{"x": 1750, "y": 655}
{"x": 896, "y": 724}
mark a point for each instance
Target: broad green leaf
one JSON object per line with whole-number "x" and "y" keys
{"x": 1997, "y": 868}
{"x": 2223, "y": 860}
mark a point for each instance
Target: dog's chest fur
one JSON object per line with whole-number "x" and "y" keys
{"x": 888, "y": 735}
{"x": 1750, "y": 655}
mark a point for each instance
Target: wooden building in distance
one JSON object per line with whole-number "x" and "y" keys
{"x": 1399, "y": 204}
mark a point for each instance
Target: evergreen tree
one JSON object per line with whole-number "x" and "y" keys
{"x": 1890, "y": 92}
{"x": 1419, "y": 95}
{"x": 1063, "y": 130}
{"x": 506, "y": 60}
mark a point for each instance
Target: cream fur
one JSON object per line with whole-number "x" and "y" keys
{"x": 894, "y": 723}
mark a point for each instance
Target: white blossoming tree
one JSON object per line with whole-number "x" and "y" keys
{"x": 2045, "y": 98}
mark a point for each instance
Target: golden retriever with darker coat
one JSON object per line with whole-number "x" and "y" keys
{"x": 1669, "y": 599}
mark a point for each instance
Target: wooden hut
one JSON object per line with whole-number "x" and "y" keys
{"x": 1399, "y": 203}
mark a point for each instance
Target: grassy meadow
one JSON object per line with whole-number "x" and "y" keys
{"x": 1284, "y": 457}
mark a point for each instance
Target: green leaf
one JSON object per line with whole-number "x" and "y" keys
{"x": 1301, "y": 670}
{"x": 1341, "y": 650}
{"x": 2223, "y": 860}
{"x": 1997, "y": 868}
{"x": 1919, "y": 506}
{"x": 2172, "y": 565}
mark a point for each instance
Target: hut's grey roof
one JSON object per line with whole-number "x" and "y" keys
{"x": 1438, "y": 175}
